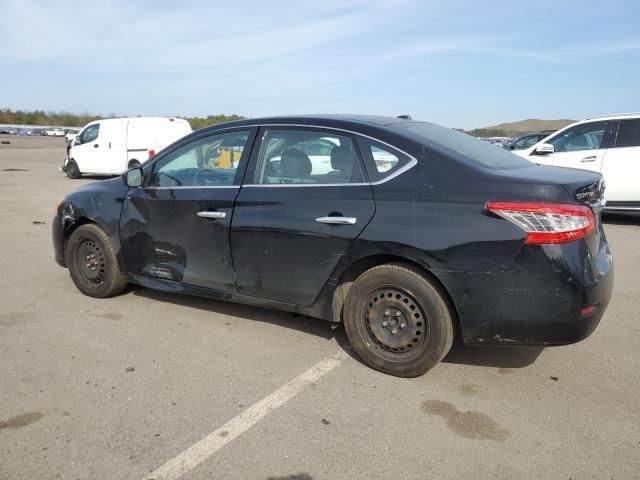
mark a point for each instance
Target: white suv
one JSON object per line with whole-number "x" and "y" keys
{"x": 608, "y": 144}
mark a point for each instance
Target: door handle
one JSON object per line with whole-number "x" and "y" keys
{"x": 337, "y": 220}
{"x": 95, "y": 145}
{"x": 592, "y": 158}
{"x": 207, "y": 214}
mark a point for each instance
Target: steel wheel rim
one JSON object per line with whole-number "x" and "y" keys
{"x": 91, "y": 263}
{"x": 395, "y": 321}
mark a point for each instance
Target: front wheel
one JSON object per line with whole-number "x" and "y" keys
{"x": 72, "y": 170}
{"x": 93, "y": 264}
{"x": 397, "y": 321}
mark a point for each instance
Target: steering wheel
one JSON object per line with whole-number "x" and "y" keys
{"x": 206, "y": 177}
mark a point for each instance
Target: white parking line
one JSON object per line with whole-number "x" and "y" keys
{"x": 205, "y": 448}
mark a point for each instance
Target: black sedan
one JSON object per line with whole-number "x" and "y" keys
{"x": 528, "y": 139}
{"x": 407, "y": 232}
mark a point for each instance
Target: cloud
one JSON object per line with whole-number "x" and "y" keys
{"x": 137, "y": 36}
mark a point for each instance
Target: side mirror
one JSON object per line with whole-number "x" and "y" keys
{"x": 544, "y": 149}
{"x": 76, "y": 141}
{"x": 133, "y": 177}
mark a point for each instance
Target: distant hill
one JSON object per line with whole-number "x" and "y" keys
{"x": 533, "y": 125}
{"x": 513, "y": 129}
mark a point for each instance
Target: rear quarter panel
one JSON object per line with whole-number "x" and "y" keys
{"x": 433, "y": 215}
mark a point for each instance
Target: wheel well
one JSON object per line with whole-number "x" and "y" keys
{"x": 357, "y": 268}
{"x": 74, "y": 226}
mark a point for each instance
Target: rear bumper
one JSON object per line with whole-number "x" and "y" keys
{"x": 544, "y": 299}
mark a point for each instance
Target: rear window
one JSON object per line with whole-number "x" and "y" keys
{"x": 463, "y": 146}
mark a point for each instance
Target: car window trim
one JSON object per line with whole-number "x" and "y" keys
{"x": 185, "y": 187}
{"x": 413, "y": 161}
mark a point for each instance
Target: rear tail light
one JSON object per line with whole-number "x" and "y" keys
{"x": 547, "y": 222}
{"x": 152, "y": 152}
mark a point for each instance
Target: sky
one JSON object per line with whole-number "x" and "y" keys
{"x": 457, "y": 63}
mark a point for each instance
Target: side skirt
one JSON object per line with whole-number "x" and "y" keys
{"x": 169, "y": 286}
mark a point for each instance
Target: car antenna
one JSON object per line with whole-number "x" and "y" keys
{"x": 405, "y": 117}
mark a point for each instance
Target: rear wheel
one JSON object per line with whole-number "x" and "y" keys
{"x": 397, "y": 321}
{"x": 72, "y": 169}
{"x": 93, "y": 264}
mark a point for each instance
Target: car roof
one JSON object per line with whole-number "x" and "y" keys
{"x": 320, "y": 119}
{"x": 613, "y": 116}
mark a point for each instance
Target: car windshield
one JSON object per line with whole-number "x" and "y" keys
{"x": 463, "y": 146}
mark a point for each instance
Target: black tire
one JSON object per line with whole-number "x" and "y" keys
{"x": 93, "y": 264}
{"x": 133, "y": 164}
{"x": 72, "y": 169}
{"x": 398, "y": 321}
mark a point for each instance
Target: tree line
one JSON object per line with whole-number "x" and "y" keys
{"x": 67, "y": 119}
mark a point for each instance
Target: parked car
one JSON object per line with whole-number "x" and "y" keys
{"x": 609, "y": 145}
{"x": 451, "y": 235}
{"x": 109, "y": 147}
{"x": 527, "y": 140}
{"x": 54, "y": 132}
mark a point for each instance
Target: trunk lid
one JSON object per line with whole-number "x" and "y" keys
{"x": 582, "y": 186}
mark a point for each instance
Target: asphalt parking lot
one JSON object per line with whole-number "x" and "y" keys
{"x": 128, "y": 387}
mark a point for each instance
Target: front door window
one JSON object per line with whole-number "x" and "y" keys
{"x": 586, "y": 136}
{"x": 208, "y": 161}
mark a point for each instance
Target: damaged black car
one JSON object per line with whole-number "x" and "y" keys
{"x": 407, "y": 232}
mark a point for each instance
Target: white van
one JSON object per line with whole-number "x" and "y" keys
{"x": 111, "y": 146}
{"x": 608, "y": 144}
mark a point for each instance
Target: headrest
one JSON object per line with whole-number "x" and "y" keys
{"x": 342, "y": 158}
{"x": 294, "y": 163}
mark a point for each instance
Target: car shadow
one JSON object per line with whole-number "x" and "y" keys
{"x": 628, "y": 218}
{"x": 293, "y": 321}
{"x": 497, "y": 356}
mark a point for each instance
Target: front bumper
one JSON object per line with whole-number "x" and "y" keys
{"x": 57, "y": 231}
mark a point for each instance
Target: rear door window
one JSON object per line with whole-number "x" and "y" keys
{"x": 628, "y": 133}
{"x": 307, "y": 157}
